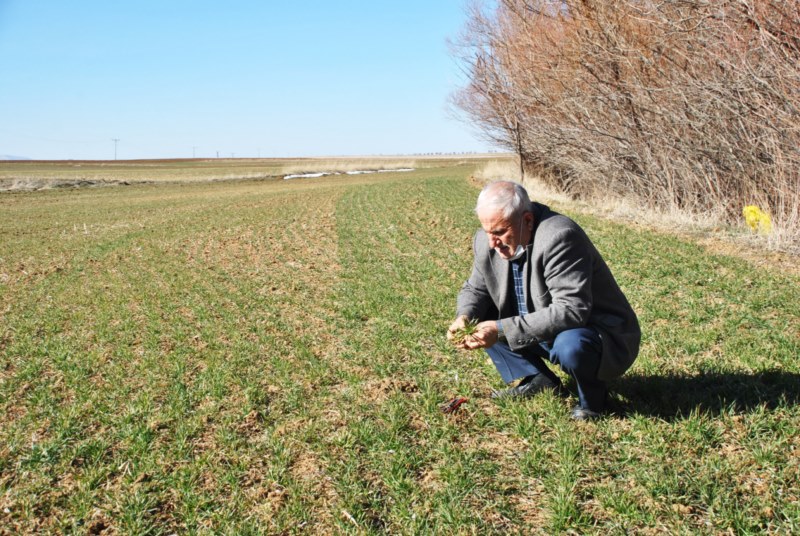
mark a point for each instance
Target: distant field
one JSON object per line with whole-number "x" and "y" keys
{"x": 34, "y": 174}
{"x": 268, "y": 357}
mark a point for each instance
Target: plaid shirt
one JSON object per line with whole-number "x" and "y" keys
{"x": 522, "y": 307}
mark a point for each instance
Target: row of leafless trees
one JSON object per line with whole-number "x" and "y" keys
{"x": 690, "y": 104}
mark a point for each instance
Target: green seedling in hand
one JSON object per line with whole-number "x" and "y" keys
{"x": 467, "y": 330}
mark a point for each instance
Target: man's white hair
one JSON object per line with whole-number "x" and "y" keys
{"x": 507, "y": 197}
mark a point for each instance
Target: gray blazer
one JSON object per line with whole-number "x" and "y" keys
{"x": 568, "y": 286}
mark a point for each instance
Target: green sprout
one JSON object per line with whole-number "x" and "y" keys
{"x": 467, "y": 330}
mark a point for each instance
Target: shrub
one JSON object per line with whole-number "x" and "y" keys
{"x": 692, "y": 105}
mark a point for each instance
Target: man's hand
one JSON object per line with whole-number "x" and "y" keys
{"x": 485, "y": 336}
{"x": 457, "y": 325}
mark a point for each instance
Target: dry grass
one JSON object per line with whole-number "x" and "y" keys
{"x": 610, "y": 207}
{"x": 780, "y": 246}
{"x": 779, "y": 249}
{"x": 43, "y": 175}
{"x": 32, "y": 175}
{"x": 343, "y": 165}
{"x": 508, "y": 169}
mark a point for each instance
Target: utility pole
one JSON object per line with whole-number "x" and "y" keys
{"x": 193, "y": 148}
{"x": 115, "y": 140}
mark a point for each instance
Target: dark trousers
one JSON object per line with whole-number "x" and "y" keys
{"x": 576, "y": 351}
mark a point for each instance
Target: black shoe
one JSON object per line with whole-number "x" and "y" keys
{"x": 584, "y": 414}
{"x": 529, "y": 386}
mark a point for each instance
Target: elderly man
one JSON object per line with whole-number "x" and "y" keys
{"x": 541, "y": 290}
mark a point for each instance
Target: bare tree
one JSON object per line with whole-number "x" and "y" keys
{"x": 691, "y": 104}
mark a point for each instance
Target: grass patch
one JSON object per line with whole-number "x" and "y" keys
{"x": 42, "y": 174}
{"x": 269, "y": 357}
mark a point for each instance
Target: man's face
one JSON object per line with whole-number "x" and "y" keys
{"x": 505, "y": 234}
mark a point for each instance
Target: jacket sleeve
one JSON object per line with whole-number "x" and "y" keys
{"x": 566, "y": 269}
{"x": 474, "y": 300}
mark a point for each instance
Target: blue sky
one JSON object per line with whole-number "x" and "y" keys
{"x": 177, "y": 78}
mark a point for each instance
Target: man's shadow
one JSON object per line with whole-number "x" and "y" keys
{"x": 676, "y": 396}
